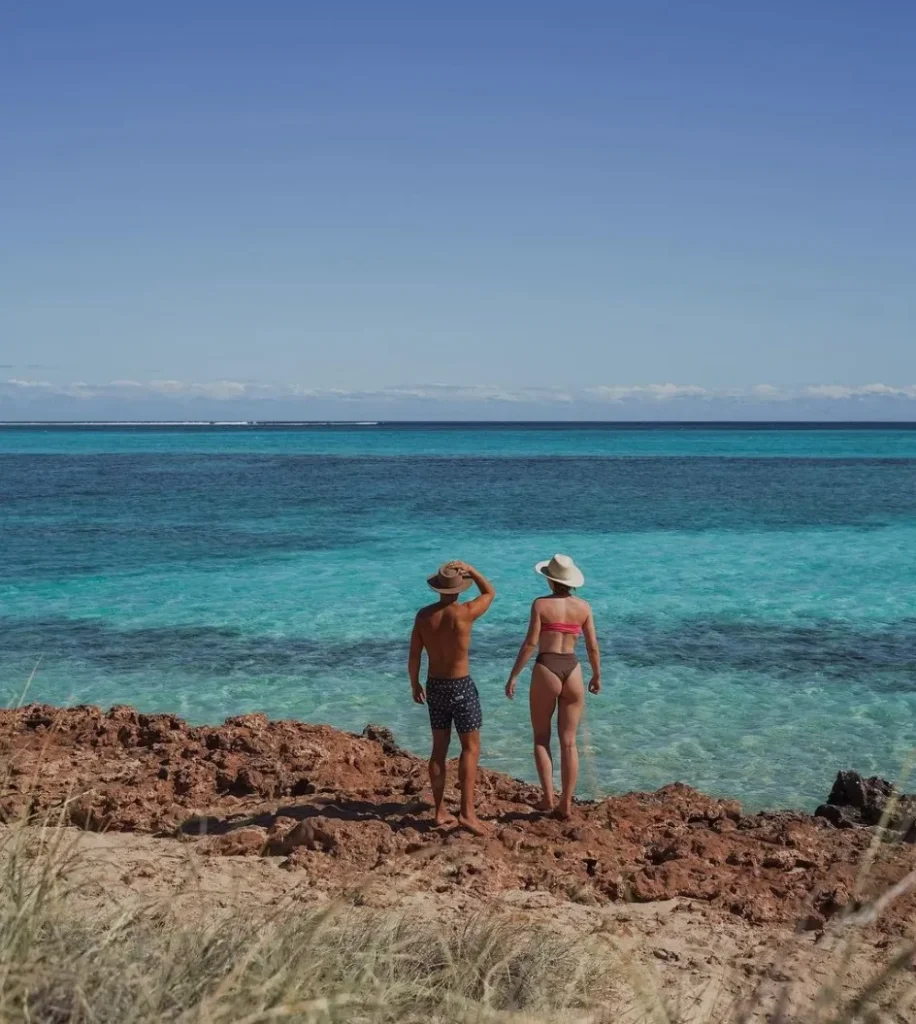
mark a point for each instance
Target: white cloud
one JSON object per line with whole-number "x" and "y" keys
{"x": 168, "y": 387}
{"x": 25, "y": 385}
{"x": 652, "y": 392}
{"x": 220, "y": 389}
{"x": 861, "y": 391}
{"x": 442, "y": 393}
{"x": 829, "y": 391}
{"x": 229, "y": 391}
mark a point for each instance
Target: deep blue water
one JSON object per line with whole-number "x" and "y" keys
{"x": 754, "y": 587}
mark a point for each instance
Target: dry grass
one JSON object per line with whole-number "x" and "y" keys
{"x": 58, "y": 963}
{"x": 62, "y": 962}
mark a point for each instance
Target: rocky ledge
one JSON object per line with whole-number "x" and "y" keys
{"x": 873, "y": 803}
{"x": 347, "y": 810}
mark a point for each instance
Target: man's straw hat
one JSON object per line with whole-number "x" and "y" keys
{"x": 448, "y": 580}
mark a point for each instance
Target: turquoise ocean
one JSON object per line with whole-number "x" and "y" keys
{"x": 754, "y": 586}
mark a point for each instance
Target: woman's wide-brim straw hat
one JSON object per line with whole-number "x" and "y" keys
{"x": 448, "y": 581}
{"x": 561, "y": 569}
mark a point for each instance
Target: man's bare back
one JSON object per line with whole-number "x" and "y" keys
{"x": 446, "y": 634}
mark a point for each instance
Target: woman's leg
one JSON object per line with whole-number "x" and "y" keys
{"x": 571, "y": 703}
{"x": 545, "y": 688}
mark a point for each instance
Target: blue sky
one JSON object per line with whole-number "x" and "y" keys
{"x": 630, "y": 208}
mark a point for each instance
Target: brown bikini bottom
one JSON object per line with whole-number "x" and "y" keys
{"x": 562, "y": 665}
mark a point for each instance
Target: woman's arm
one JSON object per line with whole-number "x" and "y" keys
{"x": 529, "y": 646}
{"x": 594, "y": 653}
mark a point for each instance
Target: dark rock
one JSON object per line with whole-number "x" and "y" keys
{"x": 837, "y": 816}
{"x": 855, "y": 800}
{"x": 812, "y": 922}
{"x": 37, "y": 717}
{"x": 383, "y": 736}
{"x": 866, "y": 798}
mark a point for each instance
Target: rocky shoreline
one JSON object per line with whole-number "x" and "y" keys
{"x": 348, "y": 811}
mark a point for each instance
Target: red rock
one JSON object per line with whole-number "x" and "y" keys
{"x": 336, "y": 806}
{"x": 305, "y": 833}
{"x": 780, "y": 859}
{"x": 243, "y": 842}
{"x": 830, "y": 900}
{"x": 510, "y": 838}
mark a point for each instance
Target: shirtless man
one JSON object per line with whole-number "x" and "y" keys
{"x": 443, "y": 629}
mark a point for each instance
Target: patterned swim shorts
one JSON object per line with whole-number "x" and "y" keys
{"x": 455, "y": 700}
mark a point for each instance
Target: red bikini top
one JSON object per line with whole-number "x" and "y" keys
{"x": 572, "y": 628}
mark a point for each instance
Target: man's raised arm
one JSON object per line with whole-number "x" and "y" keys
{"x": 487, "y": 591}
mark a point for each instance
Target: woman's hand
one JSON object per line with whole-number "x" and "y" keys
{"x": 510, "y": 687}
{"x": 594, "y": 685}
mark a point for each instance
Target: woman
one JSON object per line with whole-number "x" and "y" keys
{"x": 557, "y": 620}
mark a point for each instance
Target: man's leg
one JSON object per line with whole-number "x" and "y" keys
{"x": 441, "y": 738}
{"x": 467, "y": 777}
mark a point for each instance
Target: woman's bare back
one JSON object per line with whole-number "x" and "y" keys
{"x": 572, "y": 610}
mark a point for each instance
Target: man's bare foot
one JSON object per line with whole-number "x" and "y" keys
{"x": 474, "y": 825}
{"x": 444, "y": 819}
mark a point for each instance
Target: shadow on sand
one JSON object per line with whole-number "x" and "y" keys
{"x": 397, "y": 816}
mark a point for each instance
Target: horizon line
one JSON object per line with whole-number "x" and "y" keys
{"x": 326, "y": 422}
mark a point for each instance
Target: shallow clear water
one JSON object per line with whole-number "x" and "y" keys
{"x": 755, "y": 589}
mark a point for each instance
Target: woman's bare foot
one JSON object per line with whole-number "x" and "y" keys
{"x": 545, "y": 805}
{"x": 562, "y": 811}
{"x": 445, "y": 819}
{"x": 473, "y": 824}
